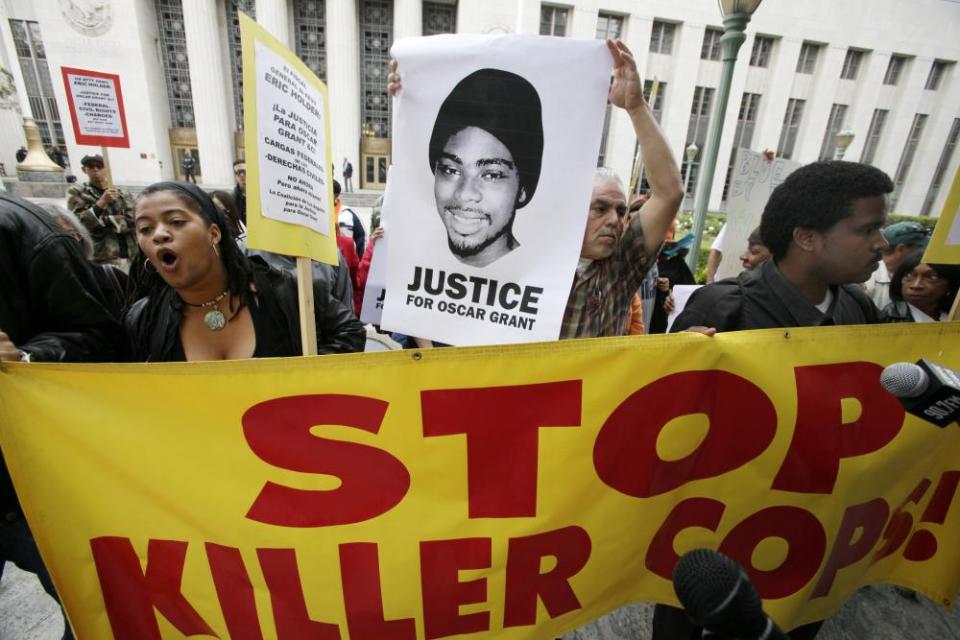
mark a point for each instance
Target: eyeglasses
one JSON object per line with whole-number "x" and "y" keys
{"x": 240, "y": 172}
{"x": 930, "y": 277}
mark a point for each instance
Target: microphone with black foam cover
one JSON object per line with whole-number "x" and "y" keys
{"x": 717, "y": 594}
{"x": 925, "y": 389}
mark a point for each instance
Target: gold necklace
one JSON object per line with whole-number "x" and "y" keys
{"x": 213, "y": 318}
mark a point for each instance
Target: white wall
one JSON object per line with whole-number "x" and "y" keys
{"x": 127, "y": 50}
{"x": 923, "y": 29}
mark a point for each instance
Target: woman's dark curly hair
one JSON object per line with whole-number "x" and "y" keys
{"x": 817, "y": 196}
{"x": 949, "y": 272}
{"x": 148, "y": 283}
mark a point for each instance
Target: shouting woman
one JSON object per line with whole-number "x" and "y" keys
{"x": 197, "y": 297}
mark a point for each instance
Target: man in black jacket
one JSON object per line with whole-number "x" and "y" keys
{"x": 823, "y": 228}
{"x": 51, "y": 309}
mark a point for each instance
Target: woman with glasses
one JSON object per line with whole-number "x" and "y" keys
{"x": 921, "y": 292}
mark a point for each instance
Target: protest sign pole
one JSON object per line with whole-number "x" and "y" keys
{"x": 106, "y": 164}
{"x": 638, "y": 158}
{"x": 308, "y": 326}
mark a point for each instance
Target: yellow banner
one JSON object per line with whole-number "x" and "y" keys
{"x": 513, "y": 492}
{"x": 944, "y": 247}
{"x": 287, "y": 140}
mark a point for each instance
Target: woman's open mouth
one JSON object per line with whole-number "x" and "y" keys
{"x": 168, "y": 259}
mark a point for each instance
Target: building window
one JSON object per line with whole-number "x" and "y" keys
{"x": 791, "y": 126}
{"x": 945, "y": 158}
{"x": 553, "y": 21}
{"x": 176, "y": 66}
{"x": 602, "y": 156}
{"x": 36, "y": 77}
{"x": 236, "y": 64}
{"x": 439, "y": 18}
{"x": 894, "y": 69}
{"x": 376, "y": 36}
{"x": 711, "y": 44}
{"x": 697, "y": 133}
{"x": 936, "y": 74}
{"x": 743, "y": 137}
{"x": 906, "y": 159}
{"x": 851, "y": 64}
{"x": 807, "y": 62}
{"x": 661, "y": 38}
{"x": 873, "y": 135}
{"x": 656, "y": 106}
{"x": 309, "y": 21}
{"x": 762, "y": 48}
{"x": 829, "y": 146}
{"x": 609, "y": 26}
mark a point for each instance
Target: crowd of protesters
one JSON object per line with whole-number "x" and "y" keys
{"x": 167, "y": 277}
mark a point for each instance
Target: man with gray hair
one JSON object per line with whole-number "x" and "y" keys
{"x": 618, "y": 251}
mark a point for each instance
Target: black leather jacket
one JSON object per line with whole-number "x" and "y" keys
{"x": 897, "y": 311}
{"x": 337, "y": 278}
{"x": 153, "y": 333}
{"x": 50, "y": 304}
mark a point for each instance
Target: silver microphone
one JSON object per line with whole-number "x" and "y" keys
{"x": 904, "y": 380}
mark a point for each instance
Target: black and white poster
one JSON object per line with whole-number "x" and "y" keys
{"x": 495, "y": 147}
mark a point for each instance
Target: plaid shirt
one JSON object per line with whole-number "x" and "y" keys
{"x": 111, "y": 227}
{"x": 599, "y": 303}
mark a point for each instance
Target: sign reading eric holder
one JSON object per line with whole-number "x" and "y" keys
{"x": 496, "y": 141}
{"x": 96, "y": 107}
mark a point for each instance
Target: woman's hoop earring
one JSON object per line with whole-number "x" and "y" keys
{"x": 148, "y": 266}
{"x": 216, "y": 250}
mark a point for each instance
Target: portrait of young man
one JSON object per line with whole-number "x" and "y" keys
{"x": 485, "y": 153}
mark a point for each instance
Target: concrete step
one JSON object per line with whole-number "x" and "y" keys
{"x": 366, "y": 198}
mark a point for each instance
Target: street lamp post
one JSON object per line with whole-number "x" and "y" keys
{"x": 691, "y": 153}
{"x": 844, "y": 138}
{"x": 736, "y": 15}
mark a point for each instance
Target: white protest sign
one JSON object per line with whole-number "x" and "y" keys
{"x": 292, "y": 175}
{"x": 375, "y": 289}
{"x": 494, "y": 154}
{"x": 754, "y": 179}
{"x": 681, "y": 295}
{"x": 96, "y": 107}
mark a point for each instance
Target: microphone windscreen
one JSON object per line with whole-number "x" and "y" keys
{"x": 904, "y": 380}
{"x": 717, "y": 594}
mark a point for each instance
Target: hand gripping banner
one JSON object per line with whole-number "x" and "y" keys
{"x": 513, "y": 492}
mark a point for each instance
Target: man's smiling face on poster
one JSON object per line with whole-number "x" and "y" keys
{"x": 477, "y": 187}
{"x": 485, "y": 155}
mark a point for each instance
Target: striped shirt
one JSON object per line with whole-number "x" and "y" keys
{"x": 599, "y": 303}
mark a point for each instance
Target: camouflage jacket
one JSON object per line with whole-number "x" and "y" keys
{"x": 111, "y": 227}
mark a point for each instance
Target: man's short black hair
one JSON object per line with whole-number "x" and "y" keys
{"x": 336, "y": 189}
{"x": 504, "y": 105}
{"x": 817, "y": 196}
{"x": 240, "y": 161}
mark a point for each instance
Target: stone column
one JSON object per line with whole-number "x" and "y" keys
{"x": 274, "y": 16}
{"x": 211, "y": 110}
{"x": 407, "y": 19}
{"x": 343, "y": 82}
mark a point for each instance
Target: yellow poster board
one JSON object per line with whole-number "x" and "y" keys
{"x": 511, "y": 493}
{"x": 944, "y": 247}
{"x": 287, "y": 139}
